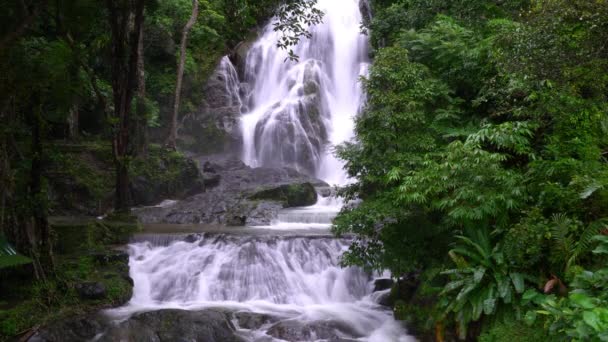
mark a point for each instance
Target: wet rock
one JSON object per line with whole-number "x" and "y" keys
{"x": 382, "y": 284}
{"x": 385, "y": 299}
{"x": 291, "y": 330}
{"x": 174, "y": 325}
{"x": 91, "y": 290}
{"x": 254, "y": 320}
{"x": 211, "y": 179}
{"x": 72, "y": 329}
{"x": 293, "y": 195}
{"x": 239, "y": 55}
{"x": 242, "y": 196}
{"x": 213, "y": 127}
{"x": 366, "y": 11}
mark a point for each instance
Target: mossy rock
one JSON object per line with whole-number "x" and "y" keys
{"x": 72, "y": 236}
{"x": 291, "y": 195}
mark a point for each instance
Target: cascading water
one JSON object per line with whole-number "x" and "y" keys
{"x": 298, "y": 112}
{"x": 286, "y": 278}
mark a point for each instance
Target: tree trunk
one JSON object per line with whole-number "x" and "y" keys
{"x": 171, "y": 141}
{"x": 142, "y": 119}
{"x": 73, "y": 122}
{"x": 39, "y": 230}
{"x": 125, "y": 52}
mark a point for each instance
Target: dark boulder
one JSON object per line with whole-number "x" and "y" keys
{"x": 91, "y": 290}
{"x": 293, "y": 195}
{"x": 292, "y": 330}
{"x": 254, "y": 320}
{"x": 174, "y": 325}
{"x": 382, "y": 284}
{"x": 72, "y": 329}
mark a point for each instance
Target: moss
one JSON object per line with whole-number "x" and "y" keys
{"x": 42, "y": 302}
{"x": 165, "y": 173}
{"x": 74, "y": 236}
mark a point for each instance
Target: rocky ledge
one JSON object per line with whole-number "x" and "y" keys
{"x": 162, "y": 325}
{"x": 208, "y": 325}
{"x": 237, "y": 195}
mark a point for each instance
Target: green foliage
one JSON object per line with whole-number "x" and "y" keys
{"x": 583, "y": 314}
{"x": 482, "y": 282}
{"x": 293, "y": 21}
{"x": 510, "y": 330}
{"x": 482, "y": 116}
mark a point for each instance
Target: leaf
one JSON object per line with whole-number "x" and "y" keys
{"x": 582, "y": 300}
{"x": 452, "y": 286}
{"x": 530, "y": 317}
{"x": 592, "y": 319}
{"x": 478, "y": 274}
{"x": 518, "y": 281}
{"x": 489, "y": 305}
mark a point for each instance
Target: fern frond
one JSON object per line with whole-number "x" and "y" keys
{"x": 584, "y": 243}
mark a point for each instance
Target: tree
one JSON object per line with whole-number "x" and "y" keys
{"x": 171, "y": 140}
{"x": 125, "y": 55}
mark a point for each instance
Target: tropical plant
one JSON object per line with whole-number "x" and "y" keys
{"x": 481, "y": 282}
{"x": 583, "y": 314}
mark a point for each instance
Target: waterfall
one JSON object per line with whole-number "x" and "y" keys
{"x": 300, "y": 110}
{"x": 286, "y": 277}
{"x": 294, "y": 113}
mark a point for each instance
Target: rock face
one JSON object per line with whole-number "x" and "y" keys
{"x": 74, "y": 329}
{"x": 382, "y": 284}
{"x": 159, "y": 326}
{"x": 237, "y": 195}
{"x": 175, "y": 325}
{"x": 253, "y": 320}
{"x": 291, "y": 330}
{"x": 213, "y": 127}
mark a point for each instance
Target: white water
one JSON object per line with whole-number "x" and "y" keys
{"x": 299, "y": 111}
{"x": 287, "y": 277}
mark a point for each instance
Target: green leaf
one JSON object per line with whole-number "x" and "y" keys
{"x": 582, "y": 300}
{"x": 518, "y": 281}
{"x": 530, "y": 317}
{"x": 592, "y": 319}
{"x": 530, "y": 295}
{"x": 478, "y": 274}
{"x": 489, "y": 305}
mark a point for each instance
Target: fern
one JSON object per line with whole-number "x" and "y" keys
{"x": 585, "y": 241}
{"x": 570, "y": 247}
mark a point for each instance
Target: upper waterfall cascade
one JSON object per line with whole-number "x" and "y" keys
{"x": 297, "y": 111}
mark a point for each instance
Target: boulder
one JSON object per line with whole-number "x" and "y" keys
{"x": 71, "y": 329}
{"x": 382, "y": 284}
{"x": 91, "y": 290}
{"x": 292, "y": 330}
{"x": 293, "y": 195}
{"x": 254, "y": 320}
{"x": 241, "y": 195}
{"x": 174, "y": 325}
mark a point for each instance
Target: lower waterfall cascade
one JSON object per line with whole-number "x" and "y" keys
{"x": 293, "y": 115}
